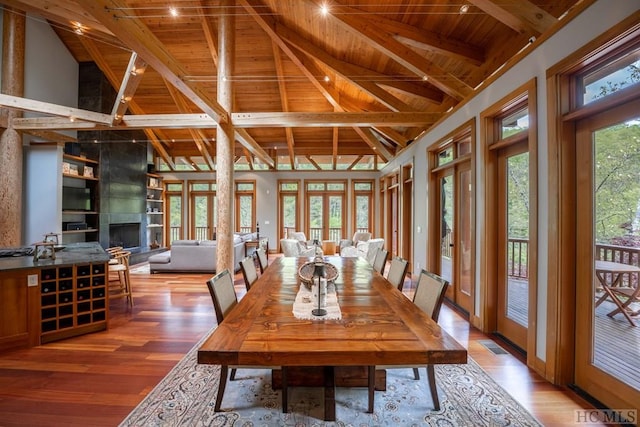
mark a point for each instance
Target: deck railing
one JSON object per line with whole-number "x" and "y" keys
{"x": 517, "y": 256}
{"x": 517, "y": 253}
{"x": 335, "y": 234}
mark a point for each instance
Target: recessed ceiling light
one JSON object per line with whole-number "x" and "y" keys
{"x": 173, "y": 11}
{"x": 464, "y": 9}
{"x": 324, "y": 9}
{"x": 326, "y": 78}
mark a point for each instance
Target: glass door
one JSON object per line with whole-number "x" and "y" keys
{"x": 607, "y": 256}
{"x": 513, "y": 243}
{"x": 447, "y": 226}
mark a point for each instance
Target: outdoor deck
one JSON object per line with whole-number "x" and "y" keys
{"x": 617, "y": 343}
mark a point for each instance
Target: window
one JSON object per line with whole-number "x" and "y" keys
{"x": 288, "y": 207}
{"x": 245, "y": 196}
{"x": 362, "y": 205}
{"x": 203, "y": 209}
{"x": 174, "y": 210}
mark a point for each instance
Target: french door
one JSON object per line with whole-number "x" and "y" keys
{"x": 326, "y": 211}
{"x": 203, "y": 215}
{"x": 513, "y": 243}
{"x": 607, "y": 229}
{"x": 454, "y": 226}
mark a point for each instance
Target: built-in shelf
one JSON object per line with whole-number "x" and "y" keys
{"x": 80, "y": 194}
{"x": 155, "y": 210}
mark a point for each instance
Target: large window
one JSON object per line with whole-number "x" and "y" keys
{"x": 288, "y": 207}
{"x": 362, "y": 205}
{"x": 245, "y": 198}
{"x": 174, "y": 210}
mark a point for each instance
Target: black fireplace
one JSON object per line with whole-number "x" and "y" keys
{"x": 126, "y": 235}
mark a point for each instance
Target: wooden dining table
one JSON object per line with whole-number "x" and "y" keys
{"x": 379, "y": 325}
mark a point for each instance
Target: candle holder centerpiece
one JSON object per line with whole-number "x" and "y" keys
{"x": 319, "y": 273}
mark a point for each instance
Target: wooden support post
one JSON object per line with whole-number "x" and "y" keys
{"x": 13, "y": 52}
{"x": 225, "y": 139}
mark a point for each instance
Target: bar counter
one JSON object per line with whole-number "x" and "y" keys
{"x": 52, "y": 299}
{"x": 75, "y": 253}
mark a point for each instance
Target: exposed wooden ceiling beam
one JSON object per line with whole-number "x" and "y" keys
{"x": 429, "y": 40}
{"x": 268, "y": 25}
{"x": 355, "y": 162}
{"x": 106, "y": 69}
{"x": 373, "y": 142}
{"x": 210, "y": 33}
{"x": 357, "y": 76}
{"x": 50, "y": 136}
{"x": 390, "y": 133}
{"x": 254, "y": 148}
{"x": 357, "y": 22}
{"x": 132, "y": 77}
{"x": 520, "y": 15}
{"x": 71, "y": 114}
{"x": 65, "y": 13}
{"x": 247, "y": 155}
{"x": 284, "y": 100}
{"x": 240, "y": 120}
{"x": 308, "y": 68}
{"x": 181, "y": 103}
{"x": 140, "y": 39}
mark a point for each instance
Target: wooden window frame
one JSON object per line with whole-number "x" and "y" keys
{"x": 490, "y": 123}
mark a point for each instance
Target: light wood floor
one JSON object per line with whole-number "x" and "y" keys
{"x": 97, "y": 379}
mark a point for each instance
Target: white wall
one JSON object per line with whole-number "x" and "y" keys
{"x": 598, "y": 18}
{"x": 51, "y": 75}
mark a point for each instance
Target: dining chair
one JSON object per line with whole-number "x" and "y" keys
{"x": 397, "y": 272}
{"x": 223, "y": 295}
{"x": 119, "y": 277}
{"x": 429, "y": 295}
{"x": 249, "y": 271}
{"x": 380, "y": 261}
{"x": 263, "y": 259}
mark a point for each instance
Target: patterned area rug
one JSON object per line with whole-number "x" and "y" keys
{"x": 468, "y": 397}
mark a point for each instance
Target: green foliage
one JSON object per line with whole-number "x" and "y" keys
{"x": 617, "y": 180}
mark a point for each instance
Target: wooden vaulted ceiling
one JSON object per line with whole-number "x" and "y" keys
{"x": 362, "y": 80}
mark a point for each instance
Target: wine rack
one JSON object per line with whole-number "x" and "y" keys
{"x": 73, "y": 300}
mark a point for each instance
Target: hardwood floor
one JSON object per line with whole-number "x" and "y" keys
{"x": 97, "y": 379}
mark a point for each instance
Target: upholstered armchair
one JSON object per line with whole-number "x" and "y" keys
{"x": 358, "y": 236}
{"x": 302, "y": 238}
{"x": 366, "y": 249}
{"x": 295, "y": 248}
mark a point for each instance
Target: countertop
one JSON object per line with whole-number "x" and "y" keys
{"x": 74, "y": 253}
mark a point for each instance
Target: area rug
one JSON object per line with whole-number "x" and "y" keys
{"x": 468, "y": 397}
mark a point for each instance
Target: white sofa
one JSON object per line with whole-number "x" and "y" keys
{"x": 196, "y": 256}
